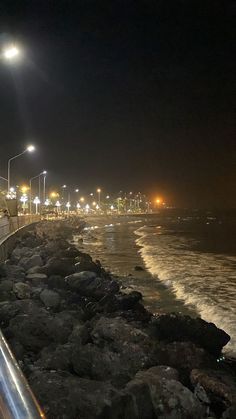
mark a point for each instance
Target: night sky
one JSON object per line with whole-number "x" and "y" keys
{"x": 124, "y": 95}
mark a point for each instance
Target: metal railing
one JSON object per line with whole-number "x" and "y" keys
{"x": 16, "y": 398}
{"x": 9, "y": 225}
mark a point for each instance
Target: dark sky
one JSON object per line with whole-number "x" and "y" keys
{"x": 131, "y": 95}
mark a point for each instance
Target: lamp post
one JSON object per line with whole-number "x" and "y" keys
{"x": 99, "y": 196}
{"x": 36, "y": 202}
{"x": 30, "y": 182}
{"x": 29, "y": 149}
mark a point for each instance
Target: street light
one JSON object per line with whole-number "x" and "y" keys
{"x": 11, "y": 52}
{"x": 30, "y": 182}
{"x": 99, "y": 196}
{"x": 29, "y": 149}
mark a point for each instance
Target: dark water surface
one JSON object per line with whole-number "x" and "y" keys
{"x": 189, "y": 260}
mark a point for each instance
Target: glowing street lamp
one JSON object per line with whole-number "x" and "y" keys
{"x": 82, "y": 199}
{"x": 10, "y": 52}
{"x": 36, "y": 201}
{"x": 29, "y": 149}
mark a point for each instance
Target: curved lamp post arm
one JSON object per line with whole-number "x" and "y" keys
{"x": 9, "y": 166}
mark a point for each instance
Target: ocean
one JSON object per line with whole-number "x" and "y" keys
{"x": 189, "y": 261}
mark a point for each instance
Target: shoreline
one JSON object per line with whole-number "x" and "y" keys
{"x": 91, "y": 350}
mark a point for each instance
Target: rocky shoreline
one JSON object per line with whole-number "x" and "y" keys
{"x": 89, "y": 350}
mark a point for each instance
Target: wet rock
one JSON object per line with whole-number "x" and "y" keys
{"x": 50, "y": 298}
{"x": 21, "y": 252}
{"x": 128, "y": 301}
{"x": 79, "y": 397}
{"x": 218, "y": 385}
{"x": 12, "y": 271}
{"x": 182, "y": 355}
{"x": 31, "y": 330}
{"x": 6, "y": 285}
{"x": 36, "y": 278}
{"x": 230, "y": 413}
{"x": 62, "y": 267}
{"x": 22, "y": 290}
{"x": 87, "y": 283}
{"x": 87, "y": 265}
{"x": 138, "y": 268}
{"x": 57, "y": 358}
{"x": 30, "y": 262}
{"x": 175, "y": 327}
{"x": 56, "y": 282}
{"x": 80, "y": 335}
{"x": 170, "y": 399}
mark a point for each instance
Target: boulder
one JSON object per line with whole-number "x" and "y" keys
{"x": 79, "y": 397}
{"x": 32, "y": 330}
{"x": 219, "y": 386}
{"x": 30, "y": 262}
{"x": 138, "y": 268}
{"x": 21, "y": 252}
{"x": 37, "y": 278}
{"x": 89, "y": 284}
{"x": 169, "y": 398}
{"x": 57, "y": 358}
{"x": 87, "y": 265}
{"x": 56, "y": 282}
{"x": 176, "y": 327}
{"x": 6, "y": 285}
{"x": 12, "y": 271}
{"x": 50, "y": 298}
{"x": 55, "y": 266}
{"x": 22, "y": 290}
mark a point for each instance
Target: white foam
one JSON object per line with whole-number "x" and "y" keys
{"x": 204, "y": 281}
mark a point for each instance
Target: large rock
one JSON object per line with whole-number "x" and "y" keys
{"x": 30, "y": 262}
{"x": 22, "y": 290}
{"x": 169, "y": 398}
{"x": 63, "y": 395}
{"x": 175, "y": 327}
{"x": 55, "y": 266}
{"x": 12, "y": 271}
{"x": 219, "y": 386}
{"x": 21, "y": 252}
{"x": 50, "y": 298}
{"x": 87, "y": 265}
{"x": 89, "y": 284}
{"x": 36, "y": 278}
{"x": 32, "y": 331}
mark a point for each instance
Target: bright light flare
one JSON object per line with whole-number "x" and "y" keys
{"x": 11, "y": 52}
{"x": 30, "y": 148}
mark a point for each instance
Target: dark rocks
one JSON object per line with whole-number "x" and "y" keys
{"x": 31, "y": 331}
{"x": 87, "y": 265}
{"x": 89, "y": 284}
{"x": 50, "y": 298}
{"x": 138, "y": 268}
{"x": 91, "y": 351}
{"x": 219, "y": 387}
{"x": 22, "y": 290}
{"x": 173, "y": 327}
{"x": 169, "y": 398}
{"x": 55, "y": 266}
{"x": 79, "y": 397}
{"x": 30, "y": 262}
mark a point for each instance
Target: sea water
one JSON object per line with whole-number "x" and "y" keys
{"x": 189, "y": 260}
